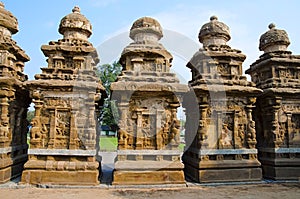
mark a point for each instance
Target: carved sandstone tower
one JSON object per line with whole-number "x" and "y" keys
{"x": 223, "y": 146}
{"x": 14, "y": 100}
{"x": 148, "y": 96}
{"x": 277, "y": 73}
{"x": 66, "y": 97}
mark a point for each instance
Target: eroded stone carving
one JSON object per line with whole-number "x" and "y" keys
{"x": 66, "y": 97}
{"x": 148, "y": 96}
{"x": 225, "y": 99}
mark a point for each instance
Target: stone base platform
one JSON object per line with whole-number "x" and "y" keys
{"x": 280, "y": 163}
{"x": 12, "y": 160}
{"x": 141, "y": 167}
{"x": 61, "y": 167}
{"x": 224, "y": 165}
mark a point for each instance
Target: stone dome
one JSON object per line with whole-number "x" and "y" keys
{"x": 274, "y": 40}
{"x": 214, "y": 33}
{"x": 146, "y": 25}
{"x": 75, "y": 25}
{"x": 7, "y": 20}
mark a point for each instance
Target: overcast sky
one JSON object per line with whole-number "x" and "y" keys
{"x": 181, "y": 21}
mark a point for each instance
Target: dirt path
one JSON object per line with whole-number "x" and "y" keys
{"x": 265, "y": 191}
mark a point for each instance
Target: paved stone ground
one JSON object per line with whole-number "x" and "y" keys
{"x": 107, "y": 163}
{"x": 265, "y": 191}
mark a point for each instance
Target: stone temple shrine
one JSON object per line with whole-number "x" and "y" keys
{"x": 148, "y": 96}
{"x": 277, "y": 115}
{"x": 223, "y": 146}
{"x": 66, "y": 97}
{"x": 14, "y": 100}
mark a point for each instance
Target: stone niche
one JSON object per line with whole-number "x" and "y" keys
{"x": 14, "y": 100}
{"x": 277, "y": 115}
{"x": 67, "y": 97}
{"x": 147, "y": 96}
{"x": 220, "y": 133}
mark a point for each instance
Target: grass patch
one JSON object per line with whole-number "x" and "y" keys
{"x": 108, "y": 143}
{"x": 181, "y": 147}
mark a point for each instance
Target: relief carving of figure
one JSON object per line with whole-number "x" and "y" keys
{"x": 251, "y": 131}
{"x": 146, "y": 127}
{"x": 62, "y": 125}
{"x": 35, "y": 131}
{"x": 202, "y": 134}
{"x": 282, "y": 131}
{"x": 4, "y": 131}
{"x": 175, "y": 132}
{"x": 122, "y": 135}
{"x": 240, "y": 136}
{"x": 226, "y": 137}
{"x": 251, "y": 134}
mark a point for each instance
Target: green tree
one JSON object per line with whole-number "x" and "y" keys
{"x": 30, "y": 115}
{"x": 108, "y": 74}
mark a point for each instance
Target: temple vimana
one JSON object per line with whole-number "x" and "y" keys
{"x": 236, "y": 129}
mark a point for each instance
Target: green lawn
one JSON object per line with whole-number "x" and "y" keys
{"x": 181, "y": 147}
{"x": 108, "y": 143}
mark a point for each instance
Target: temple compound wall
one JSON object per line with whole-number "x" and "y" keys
{"x": 14, "y": 100}
{"x": 235, "y": 130}
{"x": 66, "y": 96}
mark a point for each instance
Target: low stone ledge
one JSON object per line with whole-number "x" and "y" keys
{"x": 149, "y": 152}
{"x": 223, "y": 151}
{"x": 62, "y": 152}
{"x": 280, "y": 150}
{"x": 13, "y": 148}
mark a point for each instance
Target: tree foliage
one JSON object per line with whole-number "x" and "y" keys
{"x": 108, "y": 74}
{"x": 30, "y": 115}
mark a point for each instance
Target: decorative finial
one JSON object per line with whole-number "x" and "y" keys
{"x": 76, "y": 9}
{"x": 1, "y": 4}
{"x": 212, "y": 18}
{"x": 271, "y": 26}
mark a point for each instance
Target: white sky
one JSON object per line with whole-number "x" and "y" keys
{"x": 111, "y": 19}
